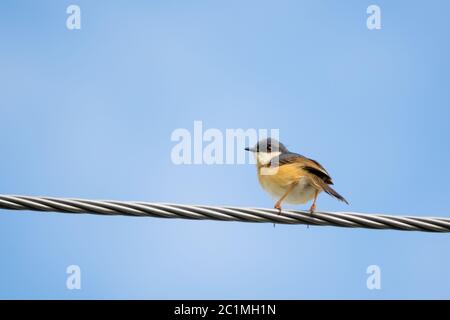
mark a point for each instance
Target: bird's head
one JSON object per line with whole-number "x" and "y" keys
{"x": 267, "y": 149}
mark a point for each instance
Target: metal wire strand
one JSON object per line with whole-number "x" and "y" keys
{"x": 199, "y": 212}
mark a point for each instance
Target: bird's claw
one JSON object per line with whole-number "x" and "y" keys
{"x": 278, "y": 207}
{"x": 312, "y": 209}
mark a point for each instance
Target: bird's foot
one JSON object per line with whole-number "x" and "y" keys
{"x": 278, "y": 206}
{"x": 312, "y": 209}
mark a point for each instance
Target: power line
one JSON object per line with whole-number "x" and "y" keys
{"x": 224, "y": 213}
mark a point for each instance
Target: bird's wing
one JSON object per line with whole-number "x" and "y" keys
{"x": 318, "y": 175}
{"x": 306, "y": 167}
{"x": 309, "y": 165}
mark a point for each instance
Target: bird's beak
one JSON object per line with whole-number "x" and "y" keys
{"x": 250, "y": 149}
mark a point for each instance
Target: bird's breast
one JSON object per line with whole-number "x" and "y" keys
{"x": 277, "y": 180}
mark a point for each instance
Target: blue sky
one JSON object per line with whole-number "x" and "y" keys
{"x": 89, "y": 113}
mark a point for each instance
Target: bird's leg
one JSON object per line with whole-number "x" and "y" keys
{"x": 313, "y": 206}
{"x": 278, "y": 204}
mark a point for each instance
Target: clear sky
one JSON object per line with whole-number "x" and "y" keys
{"x": 89, "y": 113}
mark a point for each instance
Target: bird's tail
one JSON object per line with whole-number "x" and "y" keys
{"x": 334, "y": 193}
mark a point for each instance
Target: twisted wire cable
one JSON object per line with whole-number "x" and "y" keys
{"x": 224, "y": 213}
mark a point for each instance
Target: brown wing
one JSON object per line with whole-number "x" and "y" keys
{"x": 308, "y": 165}
{"x": 318, "y": 175}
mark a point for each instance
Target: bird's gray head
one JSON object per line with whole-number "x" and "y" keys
{"x": 267, "y": 149}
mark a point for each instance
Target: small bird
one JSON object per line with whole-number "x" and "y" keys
{"x": 289, "y": 176}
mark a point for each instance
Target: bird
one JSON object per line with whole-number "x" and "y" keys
{"x": 290, "y": 177}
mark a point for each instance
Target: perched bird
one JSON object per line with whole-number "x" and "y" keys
{"x": 289, "y": 176}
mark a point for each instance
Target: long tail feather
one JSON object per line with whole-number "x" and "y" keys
{"x": 334, "y": 193}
